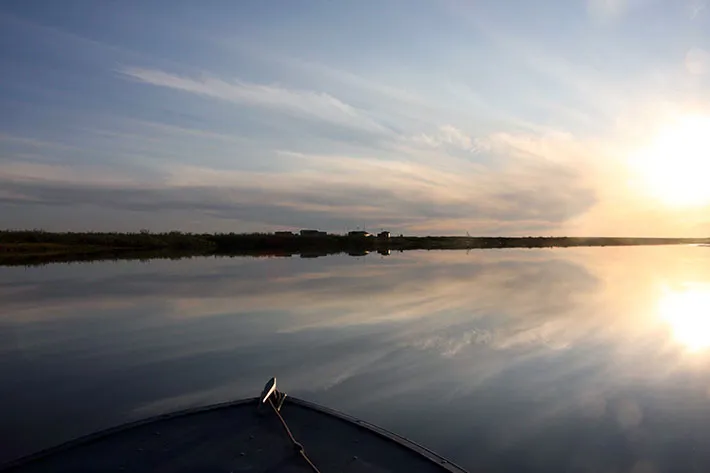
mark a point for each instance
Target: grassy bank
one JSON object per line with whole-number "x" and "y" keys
{"x": 26, "y": 240}
{"x": 38, "y": 247}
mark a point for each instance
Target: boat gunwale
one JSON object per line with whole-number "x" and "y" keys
{"x": 101, "y": 434}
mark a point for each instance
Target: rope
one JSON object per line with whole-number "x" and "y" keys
{"x": 296, "y": 445}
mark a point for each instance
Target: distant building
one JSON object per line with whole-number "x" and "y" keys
{"x": 312, "y": 233}
{"x": 384, "y": 235}
{"x": 359, "y": 234}
{"x": 283, "y": 234}
{"x": 312, "y": 254}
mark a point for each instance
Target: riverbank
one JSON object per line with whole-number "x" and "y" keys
{"x": 39, "y": 247}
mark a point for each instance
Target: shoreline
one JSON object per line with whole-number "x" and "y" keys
{"x": 28, "y": 248}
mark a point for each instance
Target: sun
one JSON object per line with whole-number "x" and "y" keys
{"x": 687, "y": 312}
{"x": 675, "y": 166}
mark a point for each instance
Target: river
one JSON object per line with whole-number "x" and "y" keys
{"x": 578, "y": 359}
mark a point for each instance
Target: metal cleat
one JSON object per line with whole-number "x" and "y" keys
{"x": 272, "y": 395}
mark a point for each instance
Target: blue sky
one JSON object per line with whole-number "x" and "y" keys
{"x": 418, "y": 116}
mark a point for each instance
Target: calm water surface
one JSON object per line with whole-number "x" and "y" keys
{"x": 583, "y": 360}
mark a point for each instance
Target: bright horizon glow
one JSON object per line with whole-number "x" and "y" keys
{"x": 676, "y": 165}
{"x": 687, "y": 312}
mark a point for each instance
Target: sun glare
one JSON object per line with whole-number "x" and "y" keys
{"x": 675, "y": 167}
{"x": 688, "y": 314}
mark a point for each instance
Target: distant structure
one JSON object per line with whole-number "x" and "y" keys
{"x": 383, "y": 235}
{"x": 359, "y": 234}
{"x": 312, "y": 233}
{"x": 283, "y": 234}
{"x": 312, "y": 254}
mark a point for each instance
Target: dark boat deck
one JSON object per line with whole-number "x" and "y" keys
{"x": 235, "y": 437}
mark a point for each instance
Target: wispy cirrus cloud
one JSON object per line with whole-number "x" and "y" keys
{"x": 331, "y": 192}
{"x": 447, "y": 136}
{"x": 302, "y": 103}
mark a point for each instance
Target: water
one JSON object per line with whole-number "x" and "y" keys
{"x": 586, "y": 359}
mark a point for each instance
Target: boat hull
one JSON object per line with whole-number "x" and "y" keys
{"x": 238, "y": 436}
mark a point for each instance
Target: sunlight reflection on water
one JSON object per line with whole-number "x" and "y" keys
{"x": 687, "y": 311}
{"x": 502, "y": 360}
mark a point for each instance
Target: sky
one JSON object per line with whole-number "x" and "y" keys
{"x": 574, "y": 117}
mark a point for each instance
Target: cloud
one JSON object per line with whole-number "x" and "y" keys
{"x": 447, "y": 136}
{"x": 97, "y": 175}
{"x": 300, "y": 103}
{"x": 331, "y": 192}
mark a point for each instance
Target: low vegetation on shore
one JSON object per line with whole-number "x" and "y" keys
{"x": 19, "y": 247}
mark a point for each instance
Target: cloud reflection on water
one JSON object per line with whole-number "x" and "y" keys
{"x": 518, "y": 359}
